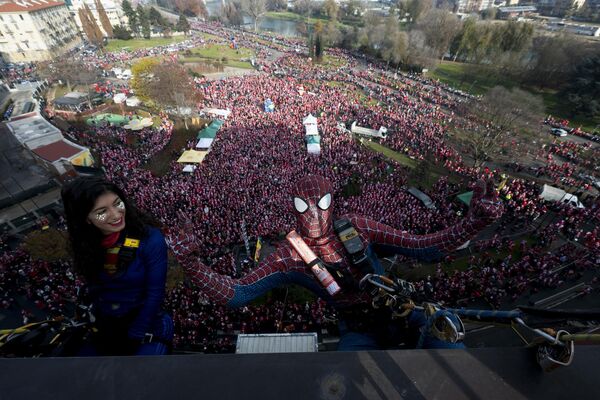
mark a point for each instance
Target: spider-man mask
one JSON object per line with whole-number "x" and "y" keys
{"x": 313, "y": 206}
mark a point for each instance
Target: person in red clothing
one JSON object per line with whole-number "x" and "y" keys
{"x": 124, "y": 261}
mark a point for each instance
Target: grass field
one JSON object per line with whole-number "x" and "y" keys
{"x": 135, "y": 44}
{"x": 221, "y": 52}
{"x": 478, "y": 80}
{"x": 290, "y": 16}
{"x": 400, "y": 158}
{"x": 422, "y": 173}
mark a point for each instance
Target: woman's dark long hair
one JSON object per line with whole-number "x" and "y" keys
{"x": 79, "y": 196}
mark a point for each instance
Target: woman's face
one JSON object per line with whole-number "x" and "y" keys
{"x": 108, "y": 213}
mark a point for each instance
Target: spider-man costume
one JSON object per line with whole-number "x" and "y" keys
{"x": 313, "y": 206}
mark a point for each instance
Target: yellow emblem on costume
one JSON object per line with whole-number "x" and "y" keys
{"x": 131, "y": 243}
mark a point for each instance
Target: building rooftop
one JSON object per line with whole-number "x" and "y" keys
{"x": 55, "y": 151}
{"x": 15, "y": 6}
{"x": 511, "y": 9}
{"x": 277, "y": 343}
{"x": 32, "y": 128}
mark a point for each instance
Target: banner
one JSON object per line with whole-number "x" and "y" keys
{"x": 245, "y": 238}
{"x": 257, "y": 252}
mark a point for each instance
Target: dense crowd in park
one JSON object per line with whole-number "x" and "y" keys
{"x": 247, "y": 177}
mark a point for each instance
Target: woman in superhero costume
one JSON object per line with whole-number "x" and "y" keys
{"x": 361, "y": 327}
{"x": 124, "y": 261}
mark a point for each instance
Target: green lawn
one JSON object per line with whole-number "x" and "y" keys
{"x": 470, "y": 78}
{"x": 336, "y": 84}
{"x": 218, "y": 52}
{"x": 332, "y": 62}
{"x": 478, "y": 80}
{"x": 400, "y": 158}
{"x": 422, "y": 173}
{"x": 229, "y": 63}
{"x": 290, "y": 16}
{"x": 135, "y": 44}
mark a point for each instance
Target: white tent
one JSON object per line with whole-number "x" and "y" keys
{"x": 119, "y": 98}
{"x": 189, "y": 168}
{"x": 312, "y": 130}
{"x": 310, "y": 119}
{"x": 204, "y": 143}
{"x": 133, "y": 102}
{"x": 192, "y": 157}
{"x": 310, "y": 124}
{"x": 138, "y": 124}
{"x": 216, "y": 112}
{"x": 360, "y": 130}
{"x": 313, "y": 148}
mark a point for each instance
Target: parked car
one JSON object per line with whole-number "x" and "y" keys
{"x": 558, "y": 132}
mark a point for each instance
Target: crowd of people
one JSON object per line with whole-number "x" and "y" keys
{"x": 257, "y": 157}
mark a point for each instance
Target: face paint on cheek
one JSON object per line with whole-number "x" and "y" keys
{"x": 101, "y": 217}
{"x": 120, "y": 205}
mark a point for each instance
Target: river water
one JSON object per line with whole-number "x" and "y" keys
{"x": 277, "y": 26}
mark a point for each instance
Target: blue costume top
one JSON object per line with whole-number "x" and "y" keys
{"x": 141, "y": 286}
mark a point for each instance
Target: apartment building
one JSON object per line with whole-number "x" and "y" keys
{"x": 36, "y": 30}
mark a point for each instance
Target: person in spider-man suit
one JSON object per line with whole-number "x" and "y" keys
{"x": 361, "y": 327}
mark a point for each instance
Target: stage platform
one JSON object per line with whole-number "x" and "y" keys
{"x": 491, "y": 373}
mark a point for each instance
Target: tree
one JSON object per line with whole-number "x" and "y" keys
{"x": 144, "y": 21}
{"x": 318, "y": 47}
{"x": 192, "y": 8}
{"x": 172, "y": 88}
{"x": 583, "y": 89}
{"x": 255, "y": 9}
{"x": 413, "y": 9}
{"x": 352, "y": 10}
{"x": 419, "y": 54}
{"x": 332, "y": 36}
{"x": 551, "y": 59}
{"x": 120, "y": 32}
{"x": 503, "y": 113}
{"x": 69, "y": 71}
{"x": 276, "y": 5}
{"x": 372, "y": 36}
{"x": 331, "y": 9}
{"x": 156, "y": 18}
{"x": 395, "y": 43}
{"x": 104, "y": 19}
{"x": 142, "y": 75}
{"x": 97, "y": 31}
{"x": 440, "y": 28}
{"x": 132, "y": 17}
{"x": 91, "y": 30}
{"x": 304, "y": 7}
{"x": 230, "y": 14}
{"x": 515, "y": 36}
{"x": 466, "y": 36}
{"x": 182, "y": 24}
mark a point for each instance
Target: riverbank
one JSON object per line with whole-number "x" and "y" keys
{"x": 477, "y": 80}
{"x": 291, "y": 16}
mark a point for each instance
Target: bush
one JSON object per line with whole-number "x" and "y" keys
{"x": 121, "y": 32}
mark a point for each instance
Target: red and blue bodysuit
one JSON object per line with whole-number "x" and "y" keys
{"x": 313, "y": 206}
